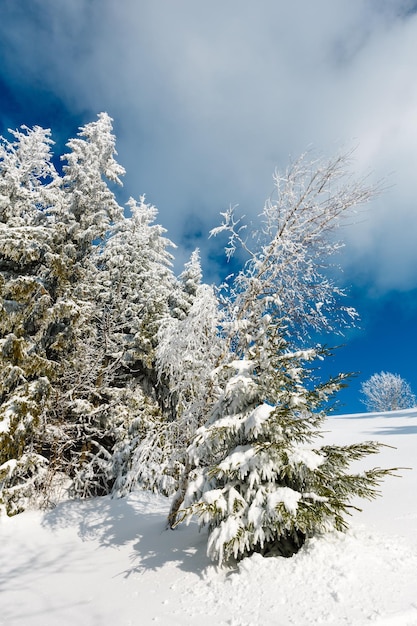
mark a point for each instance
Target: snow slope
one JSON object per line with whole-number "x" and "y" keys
{"x": 109, "y": 562}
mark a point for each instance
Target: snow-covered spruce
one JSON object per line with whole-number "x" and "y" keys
{"x": 187, "y": 352}
{"x": 260, "y": 481}
{"x": 29, "y": 184}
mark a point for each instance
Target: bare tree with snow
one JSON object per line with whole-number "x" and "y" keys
{"x": 387, "y": 392}
{"x": 290, "y": 268}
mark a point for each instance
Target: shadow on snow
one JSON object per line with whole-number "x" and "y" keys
{"x": 138, "y": 520}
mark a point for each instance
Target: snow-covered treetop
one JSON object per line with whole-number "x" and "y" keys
{"x": 192, "y": 274}
{"x": 92, "y": 204}
{"x": 97, "y": 142}
{"x": 28, "y": 179}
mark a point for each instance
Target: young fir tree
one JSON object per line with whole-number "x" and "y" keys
{"x": 261, "y": 481}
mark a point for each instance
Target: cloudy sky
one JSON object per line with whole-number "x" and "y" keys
{"x": 209, "y": 98}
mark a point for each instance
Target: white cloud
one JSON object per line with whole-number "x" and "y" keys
{"x": 208, "y": 98}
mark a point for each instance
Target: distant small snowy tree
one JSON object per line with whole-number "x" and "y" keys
{"x": 387, "y": 392}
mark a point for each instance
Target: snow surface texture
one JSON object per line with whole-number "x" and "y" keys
{"x": 107, "y": 562}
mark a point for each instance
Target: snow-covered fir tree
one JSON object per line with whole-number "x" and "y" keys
{"x": 51, "y": 229}
{"x": 178, "y": 320}
{"x": 100, "y": 394}
{"x": 136, "y": 282}
{"x": 260, "y": 481}
{"x": 90, "y": 164}
{"x": 84, "y": 293}
{"x": 29, "y": 184}
{"x": 187, "y": 353}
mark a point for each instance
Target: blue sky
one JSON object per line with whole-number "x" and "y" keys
{"x": 209, "y": 98}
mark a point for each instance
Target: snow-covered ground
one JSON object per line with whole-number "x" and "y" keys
{"x": 109, "y": 562}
